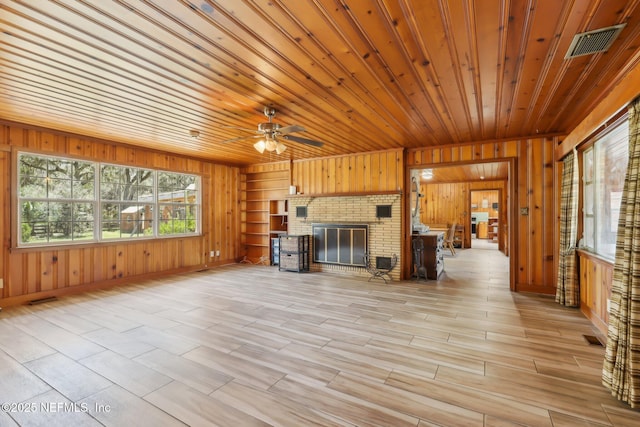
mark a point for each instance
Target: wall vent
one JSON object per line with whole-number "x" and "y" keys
{"x": 594, "y": 41}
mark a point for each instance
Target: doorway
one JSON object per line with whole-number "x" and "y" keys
{"x": 443, "y": 195}
{"x": 485, "y": 218}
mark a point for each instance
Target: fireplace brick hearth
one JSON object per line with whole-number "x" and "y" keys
{"x": 384, "y": 233}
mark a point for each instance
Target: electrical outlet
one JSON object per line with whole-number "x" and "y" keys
{"x": 217, "y": 253}
{"x": 212, "y": 254}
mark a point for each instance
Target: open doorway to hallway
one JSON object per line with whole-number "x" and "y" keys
{"x": 441, "y": 196}
{"x": 485, "y": 218}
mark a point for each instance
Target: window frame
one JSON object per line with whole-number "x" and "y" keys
{"x": 97, "y": 203}
{"x": 593, "y": 244}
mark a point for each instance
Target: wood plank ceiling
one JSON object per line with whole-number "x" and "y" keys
{"x": 358, "y": 75}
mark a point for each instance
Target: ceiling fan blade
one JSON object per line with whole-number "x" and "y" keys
{"x": 240, "y": 138}
{"x": 290, "y": 129}
{"x": 303, "y": 140}
{"x": 239, "y": 128}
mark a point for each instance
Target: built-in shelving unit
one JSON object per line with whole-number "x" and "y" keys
{"x": 492, "y": 229}
{"x": 265, "y": 212}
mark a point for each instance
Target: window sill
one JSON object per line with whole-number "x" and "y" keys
{"x": 595, "y": 257}
{"x": 70, "y": 246}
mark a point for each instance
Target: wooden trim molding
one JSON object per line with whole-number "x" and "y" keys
{"x": 345, "y": 194}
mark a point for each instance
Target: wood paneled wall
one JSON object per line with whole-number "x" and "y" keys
{"x": 531, "y": 216}
{"x": 444, "y": 203}
{"x": 372, "y": 172}
{"x": 596, "y": 281}
{"x": 447, "y": 202}
{"x": 34, "y": 273}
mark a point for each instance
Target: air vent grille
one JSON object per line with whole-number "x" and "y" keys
{"x": 593, "y": 41}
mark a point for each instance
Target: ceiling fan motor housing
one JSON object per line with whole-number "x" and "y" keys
{"x": 269, "y": 127}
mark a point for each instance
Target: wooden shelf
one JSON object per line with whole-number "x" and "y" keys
{"x": 492, "y": 229}
{"x": 265, "y": 210}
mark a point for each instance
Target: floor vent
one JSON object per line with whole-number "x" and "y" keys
{"x": 593, "y": 41}
{"x": 42, "y": 300}
{"x": 592, "y": 340}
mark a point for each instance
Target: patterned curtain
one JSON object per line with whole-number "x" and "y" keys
{"x": 567, "y": 286}
{"x": 621, "y": 369}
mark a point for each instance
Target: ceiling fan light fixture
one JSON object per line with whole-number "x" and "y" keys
{"x": 260, "y": 146}
{"x": 280, "y": 147}
{"x": 270, "y": 143}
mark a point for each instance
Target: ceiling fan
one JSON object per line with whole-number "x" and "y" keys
{"x": 271, "y": 134}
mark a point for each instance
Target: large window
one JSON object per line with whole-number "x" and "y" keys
{"x": 62, "y": 201}
{"x": 604, "y": 169}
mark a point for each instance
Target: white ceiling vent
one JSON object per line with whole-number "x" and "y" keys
{"x": 593, "y": 41}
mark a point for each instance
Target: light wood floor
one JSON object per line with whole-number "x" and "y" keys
{"x": 247, "y": 345}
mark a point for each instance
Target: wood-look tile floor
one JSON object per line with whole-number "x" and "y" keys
{"x": 249, "y": 345}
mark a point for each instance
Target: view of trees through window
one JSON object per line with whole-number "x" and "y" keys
{"x": 65, "y": 200}
{"x": 604, "y": 165}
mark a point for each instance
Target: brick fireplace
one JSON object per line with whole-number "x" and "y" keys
{"x": 384, "y": 234}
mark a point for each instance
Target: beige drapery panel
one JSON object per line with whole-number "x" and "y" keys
{"x": 567, "y": 285}
{"x": 621, "y": 369}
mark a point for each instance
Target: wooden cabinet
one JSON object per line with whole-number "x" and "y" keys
{"x": 492, "y": 229}
{"x": 481, "y": 230}
{"x": 294, "y": 253}
{"x": 433, "y": 256}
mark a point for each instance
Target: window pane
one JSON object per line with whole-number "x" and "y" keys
{"x": 34, "y": 232}
{"x": 33, "y": 187}
{"x": 110, "y": 230}
{"x": 109, "y": 191}
{"x": 166, "y": 182}
{"x": 58, "y": 188}
{"x": 110, "y": 212}
{"x": 611, "y": 166}
{"x": 145, "y": 194}
{"x": 604, "y": 169}
{"x": 34, "y": 211}
{"x": 59, "y": 168}
{"x": 60, "y": 220}
{"x": 146, "y": 178}
{"x": 83, "y": 230}
{"x": 83, "y": 211}
{"x": 83, "y": 190}
{"x": 33, "y": 165}
{"x": 110, "y": 174}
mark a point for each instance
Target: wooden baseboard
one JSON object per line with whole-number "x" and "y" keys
{"x": 594, "y": 319}
{"x": 104, "y": 284}
{"x": 544, "y": 290}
